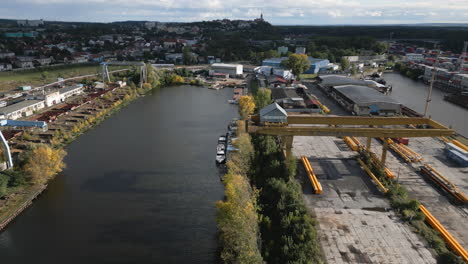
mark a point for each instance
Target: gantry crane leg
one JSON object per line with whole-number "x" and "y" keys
{"x": 286, "y": 144}
{"x": 384, "y": 151}
{"x": 369, "y": 139}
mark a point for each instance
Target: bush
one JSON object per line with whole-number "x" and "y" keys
{"x": 16, "y": 178}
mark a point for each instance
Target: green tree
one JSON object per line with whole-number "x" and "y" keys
{"x": 271, "y": 54}
{"x": 262, "y": 98}
{"x": 187, "y": 56}
{"x": 298, "y": 63}
{"x": 344, "y": 64}
{"x": 354, "y": 69}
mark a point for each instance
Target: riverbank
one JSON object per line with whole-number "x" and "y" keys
{"x": 17, "y": 199}
{"x": 17, "y": 203}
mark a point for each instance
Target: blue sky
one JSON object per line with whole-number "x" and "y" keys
{"x": 307, "y": 12}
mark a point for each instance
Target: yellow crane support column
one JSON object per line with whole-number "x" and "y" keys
{"x": 287, "y": 142}
{"x": 384, "y": 151}
{"x": 369, "y": 139}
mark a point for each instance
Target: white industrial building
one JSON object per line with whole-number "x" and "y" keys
{"x": 71, "y": 91}
{"x": 49, "y": 98}
{"x": 21, "y": 109}
{"x": 231, "y": 69}
{"x": 268, "y": 70}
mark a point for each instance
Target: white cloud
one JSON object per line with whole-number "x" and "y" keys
{"x": 276, "y": 11}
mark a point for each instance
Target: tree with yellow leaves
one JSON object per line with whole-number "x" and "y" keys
{"x": 246, "y": 106}
{"x": 176, "y": 79}
{"x": 43, "y": 163}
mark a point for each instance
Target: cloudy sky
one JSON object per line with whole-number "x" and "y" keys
{"x": 307, "y": 12}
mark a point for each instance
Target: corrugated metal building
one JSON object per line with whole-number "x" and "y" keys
{"x": 363, "y": 100}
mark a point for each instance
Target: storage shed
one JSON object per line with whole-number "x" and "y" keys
{"x": 274, "y": 114}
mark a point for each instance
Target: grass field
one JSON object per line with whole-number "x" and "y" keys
{"x": 35, "y": 77}
{"x": 305, "y": 76}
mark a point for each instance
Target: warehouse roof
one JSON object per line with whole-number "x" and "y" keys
{"x": 269, "y": 108}
{"x": 362, "y": 94}
{"x": 18, "y": 106}
{"x": 279, "y": 60}
{"x": 281, "y": 93}
{"x": 70, "y": 88}
{"x": 335, "y": 80}
{"x": 225, "y": 65}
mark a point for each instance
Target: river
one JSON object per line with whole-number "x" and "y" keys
{"x": 413, "y": 94}
{"x": 139, "y": 188}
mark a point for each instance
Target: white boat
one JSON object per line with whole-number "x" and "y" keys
{"x": 220, "y": 159}
{"x": 220, "y": 147}
{"x": 216, "y": 86}
{"x": 233, "y": 101}
{"x": 222, "y": 139}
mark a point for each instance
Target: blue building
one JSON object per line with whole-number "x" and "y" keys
{"x": 315, "y": 64}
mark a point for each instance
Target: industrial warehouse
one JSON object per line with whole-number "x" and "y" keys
{"x": 232, "y": 70}
{"x": 362, "y": 100}
{"x": 360, "y": 97}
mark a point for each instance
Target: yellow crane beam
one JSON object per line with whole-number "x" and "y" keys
{"x": 348, "y": 131}
{"x": 361, "y": 120}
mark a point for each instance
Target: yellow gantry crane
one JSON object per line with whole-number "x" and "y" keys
{"x": 348, "y": 126}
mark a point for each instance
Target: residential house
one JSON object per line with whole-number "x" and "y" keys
{"x": 24, "y": 62}
{"x": 6, "y": 54}
{"x": 169, "y": 43}
{"x": 43, "y": 61}
{"x": 175, "y": 57}
{"x": 5, "y": 67}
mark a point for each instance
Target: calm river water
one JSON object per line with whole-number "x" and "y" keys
{"x": 413, "y": 94}
{"x": 139, "y": 188}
